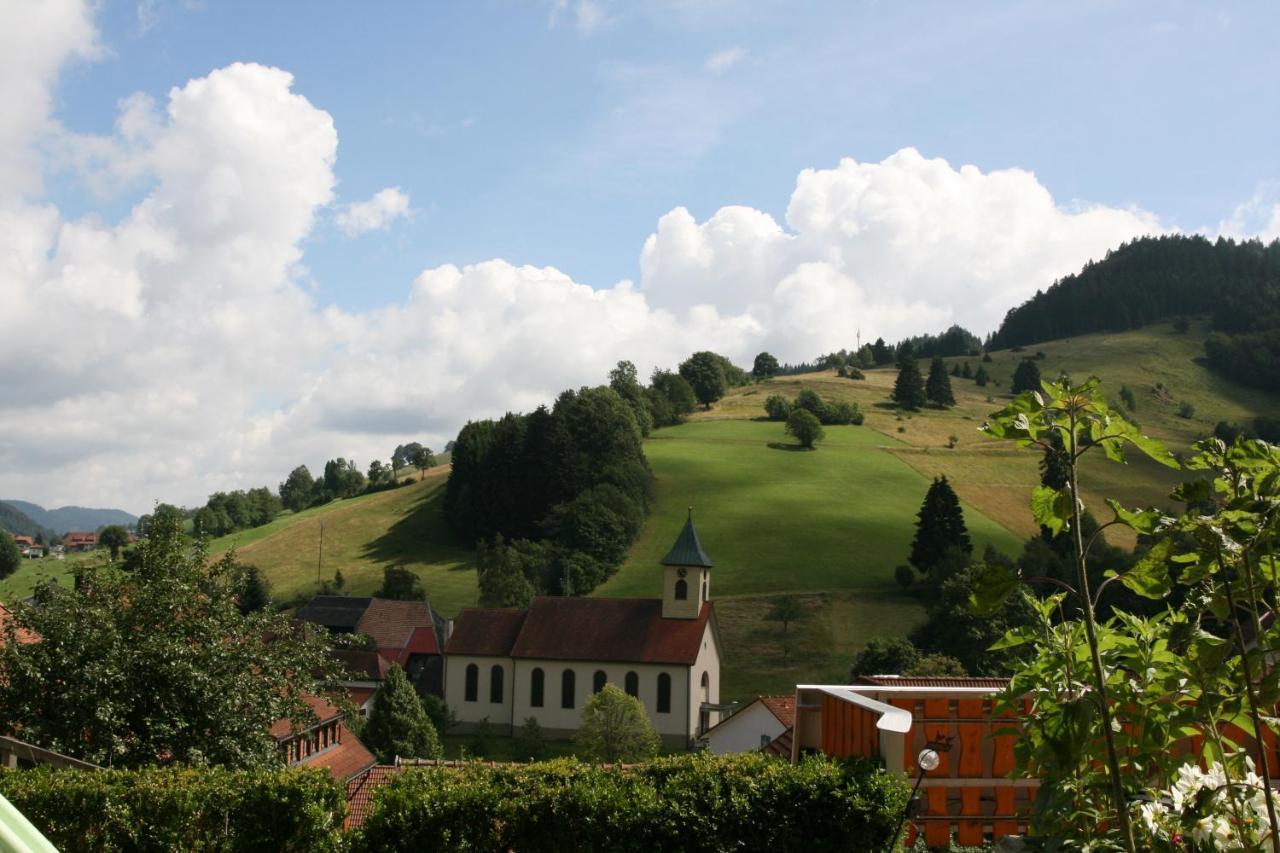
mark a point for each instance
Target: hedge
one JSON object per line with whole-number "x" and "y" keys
{"x": 188, "y": 809}
{"x": 694, "y": 803}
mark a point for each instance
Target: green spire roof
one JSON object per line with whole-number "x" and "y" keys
{"x": 688, "y": 550}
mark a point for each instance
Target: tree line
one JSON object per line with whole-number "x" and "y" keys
{"x": 1235, "y": 284}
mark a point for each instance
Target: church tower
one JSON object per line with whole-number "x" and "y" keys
{"x": 686, "y": 583}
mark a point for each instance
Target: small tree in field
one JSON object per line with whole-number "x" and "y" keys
{"x": 981, "y": 377}
{"x": 1026, "y": 377}
{"x": 786, "y": 609}
{"x": 114, "y": 537}
{"x": 938, "y": 388}
{"x": 615, "y": 728}
{"x": 805, "y": 427}
{"x": 765, "y": 366}
{"x": 939, "y": 527}
{"x": 908, "y": 388}
{"x": 398, "y": 725}
{"x": 423, "y": 459}
{"x": 401, "y": 584}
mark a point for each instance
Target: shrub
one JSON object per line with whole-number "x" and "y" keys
{"x": 777, "y": 407}
{"x": 690, "y": 802}
{"x": 841, "y": 413}
{"x": 1186, "y": 410}
{"x": 855, "y": 373}
{"x": 885, "y": 656}
{"x": 905, "y": 576}
{"x": 209, "y": 808}
{"x": 805, "y": 427}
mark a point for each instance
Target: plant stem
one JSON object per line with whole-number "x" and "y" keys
{"x": 1091, "y": 632}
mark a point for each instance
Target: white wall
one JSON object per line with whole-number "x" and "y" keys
{"x": 742, "y": 732}
{"x": 455, "y": 674}
{"x": 708, "y": 661}
{"x": 552, "y": 717}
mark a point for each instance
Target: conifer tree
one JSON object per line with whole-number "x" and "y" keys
{"x": 966, "y": 372}
{"x": 908, "y": 388}
{"x": 981, "y": 377}
{"x": 398, "y": 724}
{"x": 938, "y": 388}
{"x": 1026, "y": 377}
{"x": 940, "y": 528}
{"x": 955, "y": 369}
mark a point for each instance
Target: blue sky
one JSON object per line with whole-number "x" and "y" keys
{"x": 277, "y": 233}
{"x": 519, "y": 134}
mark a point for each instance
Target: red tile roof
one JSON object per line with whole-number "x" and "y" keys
{"x": 609, "y": 629}
{"x": 80, "y": 538}
{"x": 360, "y": 695}
{"x": 347, "y": 759}
{"x": 781, "y": 745}
{"x": 282, "y": 729}
{"x": 23, "y": 540}
{"x": 393, "y": 623}
{"x": 930, "y": 681}
{"x": 782, "y": 707}
{"x": 23, "y": 635}
{"x": 362, "y": 664}
{"x": 360, "y": 791}
{"x": 485, "y": 631}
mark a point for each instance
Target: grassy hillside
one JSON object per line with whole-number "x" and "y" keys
{"x": 778, "y": 519}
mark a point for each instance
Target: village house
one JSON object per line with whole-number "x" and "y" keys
{"x": 325, "y": 743}
{"x": 764, "y": 724}
{"x": 506, "y": 665}
{"x": 410, "y": 633}
{"x": 28, "y": 547}
{"x": 79, "y": 541}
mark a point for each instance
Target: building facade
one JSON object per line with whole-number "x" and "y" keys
{"x": 505, "y": 666}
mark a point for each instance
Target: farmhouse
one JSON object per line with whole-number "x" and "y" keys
{"x": 80, "y": 541}
{"x": 763, "y": 724}
{"x": 507, "y": 665}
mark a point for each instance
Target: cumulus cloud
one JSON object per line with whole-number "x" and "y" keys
{"x": 374, "y": 214}
{"x": 722, "y": 60}
{"x": 176, "y": 351}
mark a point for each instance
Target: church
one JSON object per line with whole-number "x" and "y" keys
{"x": 507, "y": 665}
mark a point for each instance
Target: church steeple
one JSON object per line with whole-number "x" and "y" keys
{"x": 687, "y": 577}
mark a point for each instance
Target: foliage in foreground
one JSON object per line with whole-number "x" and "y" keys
{"x": 695, "y": 803}
{"x": 157, "y": 663}
{"x": 206, "y": 809}
{"x": 615, "y": 728}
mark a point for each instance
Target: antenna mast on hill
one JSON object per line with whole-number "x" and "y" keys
{"x": 859, "y": 339}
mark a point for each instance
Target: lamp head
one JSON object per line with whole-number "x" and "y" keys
{"x": 928, "y": 760}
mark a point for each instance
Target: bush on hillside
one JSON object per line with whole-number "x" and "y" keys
{"x": 209, "y": 808}
{"x": 805, "y": 427}
{"x": 777, "y": 407}
{"x": 691, "y": 802}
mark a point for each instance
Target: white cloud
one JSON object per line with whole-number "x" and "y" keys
{"x": 176, "y": 351}
{"x": 375, "y": 214}
{"x": 1259, "y": 216}
{"x": 722, "y": 60}
{"x": 588, "y": 15}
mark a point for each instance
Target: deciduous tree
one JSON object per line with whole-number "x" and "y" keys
{"x": 765, "y": 366}
{"x": 615, "y": 728}
{"x": 705, "y": 374}
{"x": 10, "y": 556}
{"x": 805, "y": 427}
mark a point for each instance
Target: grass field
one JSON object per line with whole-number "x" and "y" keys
{"x": 778, "y": 519}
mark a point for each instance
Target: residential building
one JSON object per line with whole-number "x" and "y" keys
{"x": 80, "y": 541}
{"x": 755, "y": 726}
{"x": 545, "y": 662}
{"x": 363, "y": 674}
{"x": 410, "y": 633}
{"x": 326, "y": 743}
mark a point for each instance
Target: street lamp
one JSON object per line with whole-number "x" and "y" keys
{"x": 928, "y": 761}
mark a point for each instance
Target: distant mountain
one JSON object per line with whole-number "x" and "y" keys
{"x": 16, "y": 521}
{"x": 68, "y": 518}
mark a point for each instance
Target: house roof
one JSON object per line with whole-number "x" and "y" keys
{"x": 360, "y": 695}
{"x": 23, "y": 540}
{"x": 609, "y": 629}
{"x": 392, "y": 624}
{"x": 23, "y": 635}
{"x": 324, "y": 711}
{"x": 80, "y": 537}
{"x": 362, "y": 664}
{"x": 781, "y": 745}
{"x": 782, "y": 707}
{"x": 485, "y": 631}
{"x": 929, "y": 681}
{"x": 687, "y": 550}
{"x": 348, "y": 758}
{"x": 360, "y": 791}
{"x": 334, "y": 611}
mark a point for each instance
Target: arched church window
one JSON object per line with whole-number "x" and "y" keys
{"x": 664, "y": 693}
{"x": 598, "y": 680}
{"x": 495, "y": 684}
{"x": 682, "y": 590}
{"x": 536, "y": 679}
{"x": 473, "y": 683}
{"x": 632, "y": 684}
{"x": 566, "y": 689}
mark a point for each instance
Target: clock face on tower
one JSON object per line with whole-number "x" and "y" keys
{"x": 681, "y": 572}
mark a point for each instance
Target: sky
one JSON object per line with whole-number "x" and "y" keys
{"x": 236, "y": 237}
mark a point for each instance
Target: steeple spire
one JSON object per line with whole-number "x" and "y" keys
{"x": 687, "y": 550}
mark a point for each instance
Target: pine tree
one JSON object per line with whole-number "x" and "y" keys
{"x": 981, "y": 377}
{"x": 966, "y": 372}
{"x": 955, "y": 369}
{"x": 398, "y": 724}
{"x": 908, "y": 388}
{"x": 1026, "y": 377}
{"x": 940, "y": 528}
{"x": 938, "y": 388}
{"x": 255, "y": 591}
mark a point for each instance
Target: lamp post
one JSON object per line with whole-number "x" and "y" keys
{"x": 928, "y": 761}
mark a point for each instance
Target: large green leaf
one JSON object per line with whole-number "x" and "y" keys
{"x": 991, "y": 588}
{"x": 1150, "y": 577}
{"x": 1051, "y": 508}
